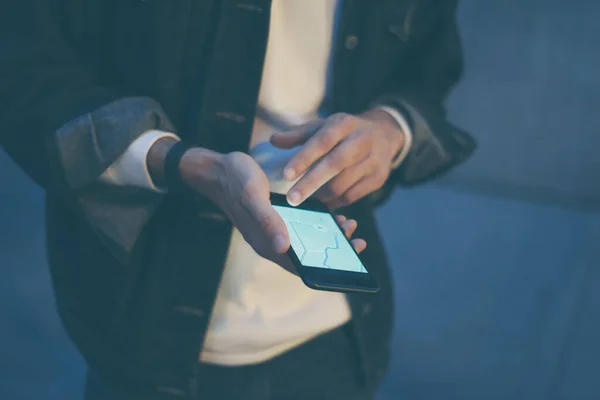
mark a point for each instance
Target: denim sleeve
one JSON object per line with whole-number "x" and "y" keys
{"x": 86, "y": 146}
{"x": 64, "y": 126}
{"x": 418, "y": 89}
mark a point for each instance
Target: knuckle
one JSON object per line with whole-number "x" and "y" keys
{"x": 251, "y": 189}
{"x": 364, "y": 135}
{"x": 342, "y": 118}
{"x": 368, "y": 141}
{"x": 327, "y": 141}
{"x": 336, "y": 160}
{"x": 347, "y": 198}
{"x": 365, "y": 141}
{"x": 299, "y": 164}
{"x": 373, "y": 164}
{"x": 362, "y": 141}
{"x": 336, "y": 188}
{"x": 235, "y": 156}
{"x": 266, "y": 222}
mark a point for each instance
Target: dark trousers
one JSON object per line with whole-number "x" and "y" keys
{"x": 325, "y": 368}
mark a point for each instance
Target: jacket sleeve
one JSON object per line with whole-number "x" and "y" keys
{"x": 418, "y": 90}
{"x": 64, "y": 127}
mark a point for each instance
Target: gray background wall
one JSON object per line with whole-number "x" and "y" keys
{"x": 530, "y": 95}
{"x": 505, "y": 305}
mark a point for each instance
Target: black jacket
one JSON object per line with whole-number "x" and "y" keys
{"x": 136, "y": 273}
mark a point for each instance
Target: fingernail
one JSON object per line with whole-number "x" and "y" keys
{"x": 289, "y": 174}
{"x": 294, "y": 198}
{"x": 279, "y": 244}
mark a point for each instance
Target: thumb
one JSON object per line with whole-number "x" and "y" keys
{"x": 272, "y": 225}
{"x": 277, "y": 231}
{"x": 296, "y": 136}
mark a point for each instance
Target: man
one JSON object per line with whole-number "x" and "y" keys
{"x": 158, "y": 128}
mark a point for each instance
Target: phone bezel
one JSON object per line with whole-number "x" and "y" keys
{"x": 327, "y": 279}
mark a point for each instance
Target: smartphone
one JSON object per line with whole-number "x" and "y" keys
{"x": 321, "y": 253}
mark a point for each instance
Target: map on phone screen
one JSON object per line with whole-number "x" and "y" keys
{"x": 318, "y": 241}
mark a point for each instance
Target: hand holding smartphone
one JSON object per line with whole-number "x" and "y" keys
{"x": 322, "y": 255}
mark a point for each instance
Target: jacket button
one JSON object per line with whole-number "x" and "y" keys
{"x": 250, "y": 7}
{"x": 172, "y": 392}
{"x": 399, "y": 32}
{"x": 232, "y": 116}
{"x": 366, "y": 309}
{"x": 189, "y": 311}
{"x": 351, "y": 42}
{"x": 213, "y": 216}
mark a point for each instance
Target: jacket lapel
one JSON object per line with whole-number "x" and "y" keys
{"x": 234, "y": 74}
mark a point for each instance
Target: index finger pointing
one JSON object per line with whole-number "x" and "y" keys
{"x": 321, "y": 143}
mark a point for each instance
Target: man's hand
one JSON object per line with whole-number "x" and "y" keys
{"x": 237, "y": 184}
{"x": 345, "y": 157}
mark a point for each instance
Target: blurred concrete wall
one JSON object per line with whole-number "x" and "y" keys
{"x": 497, "y": 267}
{"x": 531, "y": 96}
{"x": 506, "y": 306}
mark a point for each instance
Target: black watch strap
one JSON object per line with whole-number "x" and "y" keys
{"x": 172, "y": 173}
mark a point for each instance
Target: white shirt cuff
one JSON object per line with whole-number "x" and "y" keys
{"x": 131, "y": 169}
{"x": 408, "y": 135}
